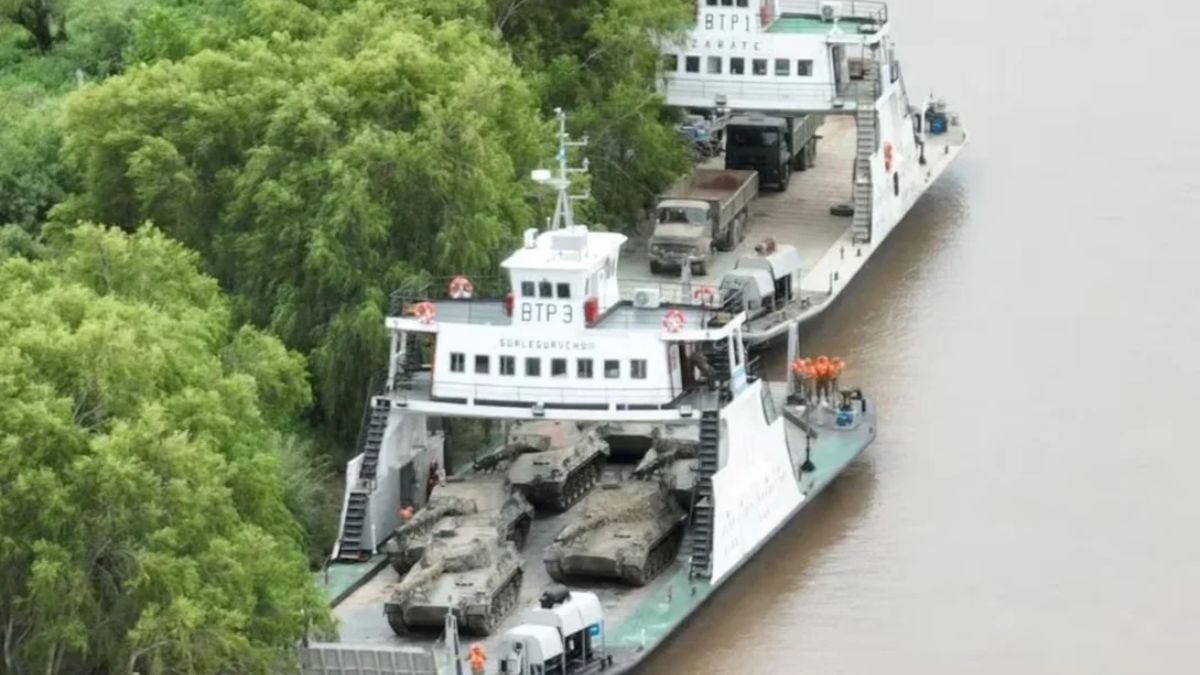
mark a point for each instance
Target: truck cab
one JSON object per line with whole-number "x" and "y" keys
{"x": 682, "y": 234}
{"x": 772, "y": 146}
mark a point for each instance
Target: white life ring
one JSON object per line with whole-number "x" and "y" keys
{"x": 461, "y": 288}
{"x": 673, "y": 321}
{"x": 425, "y": 312}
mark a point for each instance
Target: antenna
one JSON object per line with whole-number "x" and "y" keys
{"x": 564, "y": 214}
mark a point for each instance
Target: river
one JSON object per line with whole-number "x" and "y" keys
{"x": 1029, "y": 334}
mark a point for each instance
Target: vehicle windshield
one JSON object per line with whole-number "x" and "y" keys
{"x": 674, "y": 214}
{"x": 753, "y": 137}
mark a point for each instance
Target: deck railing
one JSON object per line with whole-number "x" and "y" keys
{"x": 698, "y": 90}
{"x": 871, "y": 10}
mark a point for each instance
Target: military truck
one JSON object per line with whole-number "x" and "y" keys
{"x": 708, "y": 209}
{"x": 772, "y": 146}
{"x": 629, "y": 531}
{"x": 553, "y": 463}
{"x": 466, "y": 569}
{"x": 766, "y": 282}
{"x": 490, "y": 498}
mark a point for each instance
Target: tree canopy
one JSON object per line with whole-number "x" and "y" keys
{"x": 142, "y": 524}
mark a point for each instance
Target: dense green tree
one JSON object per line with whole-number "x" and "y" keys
{"x": 143, "y": 521}
{"x": 316, "y": 175}
{"x": 42, "y": 19}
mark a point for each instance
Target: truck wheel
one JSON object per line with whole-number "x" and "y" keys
{"x": 812, "y": 153}
{"x": 785, "y": 176}
{"x": 655, "y": 268}
{"x": 729, "y": 240}
{"x": 801, "y": 160}
{"x": 745, "y": 225}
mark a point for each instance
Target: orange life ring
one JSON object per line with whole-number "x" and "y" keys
{"x": 887, "y": 157}
{"x": 673, "y": 321}
{"x": 461, "y": 288}
{"x": 425, "y": 312}
{"x": 703, "y": 295}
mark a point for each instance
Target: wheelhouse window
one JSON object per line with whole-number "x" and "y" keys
{"x": 804, "y": 67}
{"x": 783, "y": 67}
{"x": 533, "y": 366}
{"x": 759, "y": 66}
{"x": 458, "y": 362}
{"x": 527, "y": 289}
{"x": 482, "y": 364}
{"x": 743, "y": 3}
{"x": 691, "y": 64}
{"x": 637, "y": 369}
{"x": 583, "y": 369}
{"x": 558, "y": 367}
{"x": 545, "y": 289}
{"x": 714, "y": 65}
{"x": 508, "y": 365}
{"x": 564, "y": 291}
{"x": 670, "y": 63}
{"x": 612, "y": 369}
{"x": 737, "y": 66}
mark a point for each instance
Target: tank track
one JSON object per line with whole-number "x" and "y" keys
{"x": 574, "y": 488}
{"x": 657, "y": 560}
{"x": 395, "y": 618}
{"x": 502, "y": 603}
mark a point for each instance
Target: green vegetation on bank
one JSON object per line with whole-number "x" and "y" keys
{"x": 178, "y": 384}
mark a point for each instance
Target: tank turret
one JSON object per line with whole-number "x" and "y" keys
{"x": 673, "y": 461}
{"x": 629, "y": 531}
{"x": 489, "y": 496}
{"x": 466, "y": 569}
{"x": 558, "y": 463}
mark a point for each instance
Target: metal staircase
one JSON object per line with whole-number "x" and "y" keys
{"x": 353, "y": 544}
{"x": 867, "y": 121}
{"x": 702, "y": 496}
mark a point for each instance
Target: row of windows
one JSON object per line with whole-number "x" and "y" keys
{"x": 558, "y": 367}
{"x": 544, "y": 289}
{"x": 728, "y": 3}
{"x": 715, "y": 65}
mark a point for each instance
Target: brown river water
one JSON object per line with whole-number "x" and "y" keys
{"x": 1030, "y": 336}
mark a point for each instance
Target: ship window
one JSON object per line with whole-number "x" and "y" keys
{"x": 637, "y": 369}
{"x": 482, "y": 364}
{"x": 714, "y": 65}
{"x": 583, "y": 369}
{"x": 612, "y": 369}
{"x": 711, "y": 3}
{"x": 896, "y": 183}
{"x": 783, "y": 67}
{"x": 508, "y": 365}
{"x": 743, "y": 3}
{"x": 533, "y": 366}
{"x": 759, "y": 66}
{"x": 527, "y": 289}
{"x": 458, "y": 362}
{"x": 670, "y": 63}
{"x": 564, "y": 290}
{"x": 737, "y": 66}
{"x": 558, "y": 367}
{"x": 692, "y": 64}
{"x": 804, "y": 67}
{"x": 545, "y": 289}
{"x": 727, "y": 3}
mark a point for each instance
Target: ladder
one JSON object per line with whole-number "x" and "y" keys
{"x": 352, "y": 545}
{"x": 867, "y": 122}
{"x": 702, "y": 495}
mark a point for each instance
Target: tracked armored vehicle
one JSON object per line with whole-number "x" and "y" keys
{"x": 487, "y": 498}
{"x": 468, "y": 570}
{"x": 673, "y": 463}
{"x": 628, "y": 531}
{"x": 554, "y": 463}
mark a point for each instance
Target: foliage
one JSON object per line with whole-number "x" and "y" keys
{"x": 315, "y": 176}
{"x": 143, "y": 524}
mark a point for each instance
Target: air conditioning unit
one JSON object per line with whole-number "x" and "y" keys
{"x": 647, "y": 298}
{"x": 831, "y": 11}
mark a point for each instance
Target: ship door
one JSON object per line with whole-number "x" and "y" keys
{"x": 837, "y": 56}
{"x": 408, "y": 486}
{"x": 675, "y": 360}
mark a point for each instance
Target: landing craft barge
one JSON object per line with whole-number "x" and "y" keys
{"x": 770, "y": 67}
{"x": 617, "y": 557}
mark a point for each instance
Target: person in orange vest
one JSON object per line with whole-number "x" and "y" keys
{"x": 476, "y": 659}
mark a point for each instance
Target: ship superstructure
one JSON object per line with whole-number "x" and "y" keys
{"x": 879, "y": 150}
{"x": 559, "y": 357}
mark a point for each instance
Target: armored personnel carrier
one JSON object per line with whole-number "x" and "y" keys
{"x": 554, "y": 463}
{"x": 628, "y": 531}
{"x": 466, "y": 569}
{"x": 488, "y": 498}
